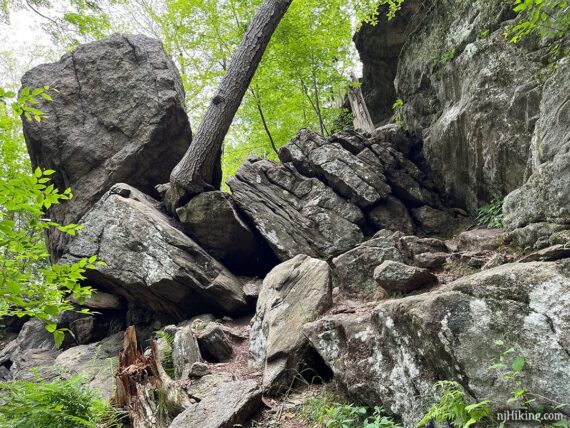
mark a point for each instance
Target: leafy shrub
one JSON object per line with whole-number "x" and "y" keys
{"x": 166, "y": 358}
{"x": 547, "y": 18}
{"x": 29, "y": 284}
{"x": 491, "y": 215}
{"x": 453, "y": 408}
{"x": 56, "y": 404}
{"x": 324, "y": 410}
{"x": 398, "y": 108}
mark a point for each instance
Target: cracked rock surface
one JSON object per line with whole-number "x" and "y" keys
{"x": 150, "y": 261}
{"x": 394, "y": 353}
{"x": 119, "y": 116}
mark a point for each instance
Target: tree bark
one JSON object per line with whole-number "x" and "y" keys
{"x": 198, "y": 171}
{"x": 142, "y": 383}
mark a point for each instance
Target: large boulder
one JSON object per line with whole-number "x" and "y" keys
{"x": 545, "y": 198}
{"x": 394, "y": 354}
{"x": 295, "y": 214}
{"x": 149, "y": 261}
{"x": 118, "y": 116}
{"x": 293, "y": 293}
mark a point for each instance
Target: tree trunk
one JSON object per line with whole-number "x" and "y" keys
{"x": 144, "y": 390}
{"x": 198, "y": 171}
{"x": 361, "y": 116}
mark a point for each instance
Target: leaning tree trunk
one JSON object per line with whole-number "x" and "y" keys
{"x": 199, "y": 170}
{"x": 144, "y": 390}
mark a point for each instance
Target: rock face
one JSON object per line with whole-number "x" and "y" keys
{"x": 379, "y": 47}
{"x": 545, "y": 198}
{"x": 118, "y": 117}
{"x": 293, "y": 213}
{"x": 293, "y": 293}
{"x": 214, "y": 222}
{"x": 214, "y": 344}
{"x": 396, "y": 353}
{"x": 227, "y": 405}
{"x": 150, "y": 262}
{"x": 329, "y": 194}
{"x": 472, "y": 96}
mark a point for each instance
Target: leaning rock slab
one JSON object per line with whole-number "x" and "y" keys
{"x": 293, "y": 293}
{"x": 227, "y": 405}
{"x": 150, "y": 262}
{"x": 293, "y": 213}
{"x": 394, "y": 354}
{"x": 118, "y": 117}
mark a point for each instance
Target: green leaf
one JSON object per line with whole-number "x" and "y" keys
{"x": 518, "y": 364}
{"x": 58, "y": 337}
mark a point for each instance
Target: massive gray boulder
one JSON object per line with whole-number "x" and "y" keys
{"x": 293, "y": 293}
{"x": 542, "y": 204}
{"x": 118, "y": 116}
{"x": 295, "y": 214}
{"x": 394, "y": 354}
{"x": 150, "y": 261}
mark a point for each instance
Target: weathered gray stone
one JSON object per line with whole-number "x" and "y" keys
{"x": 34, "y": 348}
{"x": 396, "y": 276}
{"x": 118, "y": 117}
{"x": 199, "y": 369}
{"x": 185, "y": 352}
{"x": 199, "y": 388}
{"x": 150, "y": 262}
{"x": 479, "y": 240}
{"x": 96, "y": 362}
{"x": 395, "y": 354}
{"x": 392, "y": 215}
{"x": 293, "y": 293}
{"x": 555, "y": 252}
{"x": 355, "y": 268}
{"x": 348, "y": 175}
{"x": 214, "y": 222}
{"x": 295, "y": 214}
{"x": 227, "y": 405}
{"x": 214, "y": 344}
{"x": 433, "y": 221}
{"x": 100, "y": 300}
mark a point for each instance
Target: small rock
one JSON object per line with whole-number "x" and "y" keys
{"x": 100, "y": 300}
{"x": 497, "y": 259}
{"x": 396, "y": 276}
{"x": 199, "y": 388}
{"x": 251, "y": 288}
{"x": 227, "y": 405}
{"x": 393, "y": 215}
{"x": 479, "y": 240}
{"x": 430, "y": 261}
{"x": 412, "y": 246}
{"x": 214, "y": 344}
{"x": 199, "y": 369}
{"x": 185, "y": 352}
{"x": 555, "y": 252}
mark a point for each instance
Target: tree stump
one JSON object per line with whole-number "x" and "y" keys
{"x": 144, "y": 390}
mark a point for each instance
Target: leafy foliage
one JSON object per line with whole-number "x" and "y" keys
{"x": 60, "y": 403}
{"x": 398, "y": 108}
{"x": 166, "y": 358}
{"x": 30, "y": 285}
{"x": 547, "y": 18}
{"x": 453, "y": 408}
{"x": 325, "y": 410}
{"x": 491, "y": 215}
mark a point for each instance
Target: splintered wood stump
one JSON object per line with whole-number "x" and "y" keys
{"x": 362, "y": 120}
{"x": 144, "y": 390}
